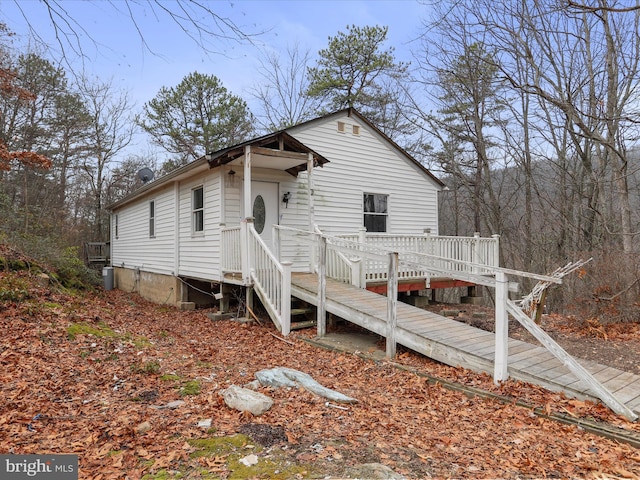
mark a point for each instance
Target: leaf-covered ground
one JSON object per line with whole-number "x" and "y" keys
{"x": 86, "y": 375}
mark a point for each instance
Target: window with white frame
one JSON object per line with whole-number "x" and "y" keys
{"x": 375, "y": 212}
{"x": 115, "y": 225}
{"x": 152, "y": 218}
{"x": 197, "y": 209}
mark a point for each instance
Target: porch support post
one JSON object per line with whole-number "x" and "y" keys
{"x": 312, "y": 218}
{"x": 244, "y": 230}
{"x": 244, "y": 251}
{"x": 500, "y": 366}
{"x": 392, "y": 304}
{"x": 322, "y": 286}
{"x": 285, "y": 301}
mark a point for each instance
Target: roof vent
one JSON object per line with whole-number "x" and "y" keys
{"x": 356, "y": 129}
{"x": 341, "y": 127}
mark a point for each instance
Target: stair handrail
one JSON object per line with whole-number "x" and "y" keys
{"x": 271, "y": 280}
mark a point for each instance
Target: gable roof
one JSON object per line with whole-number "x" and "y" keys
{"x": 352, "y": 112}
{"x": 295, "y": 151}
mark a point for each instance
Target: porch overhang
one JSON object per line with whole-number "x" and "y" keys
{"x": 278, "y": 151}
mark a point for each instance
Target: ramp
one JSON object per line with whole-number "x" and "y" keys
{"x": 457, "y": 344}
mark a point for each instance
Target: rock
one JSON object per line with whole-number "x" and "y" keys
{"x": 249, "y": 460}
{"x": 206, "y": 423}
{"x": 243, "y": 399}
{"x": 288, "y": 377}
{"x": 43, "y": 279}
{"x": 374, "y": 471}
{"x": 143, "y": 427}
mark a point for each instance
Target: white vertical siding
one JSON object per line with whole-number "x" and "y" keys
{"x": 365, "y": 163}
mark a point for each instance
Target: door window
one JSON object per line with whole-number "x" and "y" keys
{"x": 259, "y": 213}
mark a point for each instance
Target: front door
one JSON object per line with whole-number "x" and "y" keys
{"x": 264, "y": 209}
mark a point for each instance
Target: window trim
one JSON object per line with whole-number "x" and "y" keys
{"x": 152, "y": 218}
{"x": 197, "y": 211}
{"x": 376, "y": 214}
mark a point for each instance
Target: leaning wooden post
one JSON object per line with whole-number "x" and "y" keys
{"x": 500, "y": 368}
{"x": 285, "y": 300}
{"x": 322, "y": 286}
{"x": 392, "y": 304}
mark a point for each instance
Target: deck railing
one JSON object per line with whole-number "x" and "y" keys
{"x": 271, "y": 280}
{"x": 231, "y": 252}
{"x": 446, "y": 252}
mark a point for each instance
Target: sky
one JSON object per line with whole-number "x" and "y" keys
{"x": 114, "y": 48}
{"x": 118, "y": 52}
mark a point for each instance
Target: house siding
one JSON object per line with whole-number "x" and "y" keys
{"x": 365, "y": 163}
{"x": 134, "y": 248}
{"x": 200, "y": 251}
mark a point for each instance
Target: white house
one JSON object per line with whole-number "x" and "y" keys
{"x": 335, "y": 174}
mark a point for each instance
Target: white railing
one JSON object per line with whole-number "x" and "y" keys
{"x": 271, "y": 280}
{"x": 462, "y": 251}
{"x": 230, "y": 250}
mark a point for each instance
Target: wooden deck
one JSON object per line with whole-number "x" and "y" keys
{"x": 457, "y": 344}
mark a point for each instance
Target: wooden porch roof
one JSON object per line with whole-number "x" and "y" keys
{"x": 277, "y": 150}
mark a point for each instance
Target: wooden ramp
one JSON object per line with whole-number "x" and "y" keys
{"x": 457, "y": 344}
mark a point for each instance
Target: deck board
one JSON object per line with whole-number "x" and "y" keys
{"x": 455, "y": 343}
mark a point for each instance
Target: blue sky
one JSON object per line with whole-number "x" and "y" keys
{"x": 119, "y": 54}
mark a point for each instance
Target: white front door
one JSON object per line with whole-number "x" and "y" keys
{"x": 264, "y": 209}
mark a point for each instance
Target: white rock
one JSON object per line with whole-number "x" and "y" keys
{"x": 243, "y": 399}
{"x": 206, "y": 423}
{"x": 249, "y": 460}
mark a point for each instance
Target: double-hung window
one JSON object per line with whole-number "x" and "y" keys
{"x": 375, "y": 212}
{"x": 197, "y": 210}
{"x": 152, "y": 218}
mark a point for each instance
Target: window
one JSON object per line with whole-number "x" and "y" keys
{"x": 152, "y": 218}
{"x": 341, "y": 127}
{"x": 375, "y": 212}
{"x": 355, "y": 129}
{"x": 115, "y": 225}
{"x": 197, "y": 209}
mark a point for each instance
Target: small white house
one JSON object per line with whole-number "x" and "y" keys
{"x": 335, "y": 174}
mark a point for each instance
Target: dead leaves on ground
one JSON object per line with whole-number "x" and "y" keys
{"x": 89, "y": 394}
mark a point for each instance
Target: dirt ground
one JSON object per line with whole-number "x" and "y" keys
{"x": 135, "y": 390}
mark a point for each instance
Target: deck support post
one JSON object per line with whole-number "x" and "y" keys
{"x": 249, "y": 302}
{"x": 392, "y": 304}
{"x": 500, "y": 366}
{"x": 285, "y": 301}
{"x": 362, "y": 239}
{"x": 321, "y": 311}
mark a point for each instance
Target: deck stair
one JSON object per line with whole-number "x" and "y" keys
{"x": 457, "y": 344}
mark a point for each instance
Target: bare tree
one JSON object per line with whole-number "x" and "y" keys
{"x": 197, "y": 20}
{"x": 281, "y": 92}
{"x": 112, "y": 130}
